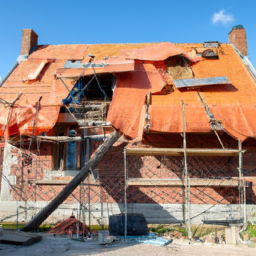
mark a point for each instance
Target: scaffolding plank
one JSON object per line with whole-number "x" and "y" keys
{"x": 177, "y": 182}
{"x": 180, "y": 152}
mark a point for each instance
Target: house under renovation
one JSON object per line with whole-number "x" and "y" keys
{"x": 160, "y": 129}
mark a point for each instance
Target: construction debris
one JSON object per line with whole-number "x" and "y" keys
{"x": 70, "y": 227}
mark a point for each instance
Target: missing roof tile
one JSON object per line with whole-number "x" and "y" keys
{"x": 178, "y": 68}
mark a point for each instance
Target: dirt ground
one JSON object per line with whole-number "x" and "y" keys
{"x": 63, "y": 245}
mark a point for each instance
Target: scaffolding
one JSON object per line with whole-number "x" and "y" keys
{"x": 186, "y": 176}
{"x": 153, "y": 181}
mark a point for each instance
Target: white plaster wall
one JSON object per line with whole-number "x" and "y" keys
{"x": 154, "y": 213}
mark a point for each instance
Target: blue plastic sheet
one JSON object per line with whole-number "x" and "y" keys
{"x": 151, "y": 239}
{"x": 183, "y": 83}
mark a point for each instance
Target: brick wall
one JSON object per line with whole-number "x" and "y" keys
{"x": 238, "y": 38}
{"x": 107, "y": 180}
{"x": 28, "y": 41}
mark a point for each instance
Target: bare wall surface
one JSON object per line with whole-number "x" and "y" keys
{"x": 7, "y": 178}
{"x": 154, "y": 213}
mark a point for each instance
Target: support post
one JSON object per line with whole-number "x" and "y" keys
{"x": 245, "y": 211}
{"x": 101, "y": 209}
{"x": 34, "y": 124}
{"x": 242, "y": 185}
{"x": 187, "y": 184}
{"x": 17, "y": 216}
{"x": 87, "y": 157}
{"x": 125, "y": 198}
{"x": 67, "y": 191}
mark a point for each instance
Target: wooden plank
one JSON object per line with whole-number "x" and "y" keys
{"x": 177, "y": 182}
{"x": 180, "y": 152}
{"x": 75, "y": 72}
{"x": 60, "y": 138}
{"x": 67, "y": 138}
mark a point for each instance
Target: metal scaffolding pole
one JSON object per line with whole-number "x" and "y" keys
{"x": 245, "y": 211}
{"x": 125, "y": 197}
{"x": 242, "y": 187}
{"x": 187, "y": 184}
{"x": 240, "y": 178}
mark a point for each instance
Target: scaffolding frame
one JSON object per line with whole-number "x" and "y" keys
{"x": 185, "y": 180}
{"x": 239, "y": 182}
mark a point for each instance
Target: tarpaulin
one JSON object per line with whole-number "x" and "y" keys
{"x": 234, "y": 104}
{"x": 129, "y": 97}
{"x": 183, "y": 83}
{"x": 167, "y": 115}
{"x": 20, "y": 118}
{"x": 158, "y": 52}
{"x": 59, "y": 52}
{"x": 231, "y": 104}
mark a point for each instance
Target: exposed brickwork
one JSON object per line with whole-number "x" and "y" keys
{"x": 107, "y": 183}
{"x": 28, "y": 42}
{"x": 238, "y": 38}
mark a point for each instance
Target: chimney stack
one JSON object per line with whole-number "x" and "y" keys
{"x": 237, "y": 37}
{"x": 28, "y": 42}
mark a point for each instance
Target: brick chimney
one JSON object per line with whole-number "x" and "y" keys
{"x": 237, "y": 37}
{"x": 28, "y": 42}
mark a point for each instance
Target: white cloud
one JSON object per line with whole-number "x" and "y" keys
{"x": 222, "y": 17}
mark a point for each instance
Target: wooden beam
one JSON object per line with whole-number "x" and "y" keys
{"x": 101, "y": 105}
{"x": 60, "y": 138}
{"x": 73, "y": 184}
{"x": 75, "y": 72}
{"x": 67, "y": 138}
{"x": 177, "y": 182}
{"x": 180, "y": 152}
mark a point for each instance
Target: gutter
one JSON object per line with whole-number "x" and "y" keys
{"x": 246, "y": 61}
{"x": 17, "y": 62}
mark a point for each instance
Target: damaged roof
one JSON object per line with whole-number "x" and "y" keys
{"x": 139, "y": 69}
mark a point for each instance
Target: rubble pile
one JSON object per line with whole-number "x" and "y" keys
{"x": 69, "y": 227}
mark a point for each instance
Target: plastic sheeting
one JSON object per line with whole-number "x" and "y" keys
{"x": 232, "y": 104}
{"x": 20, "y": 119}
{"x": 59, "y": 52}
{"x": 129, "y": 97}
{"x": 200, "y": 82}
{"x": 151, "y": 239}
{"x": 158, "y": 52}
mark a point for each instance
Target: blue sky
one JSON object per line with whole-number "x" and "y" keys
{"x": 101, "y": 21}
